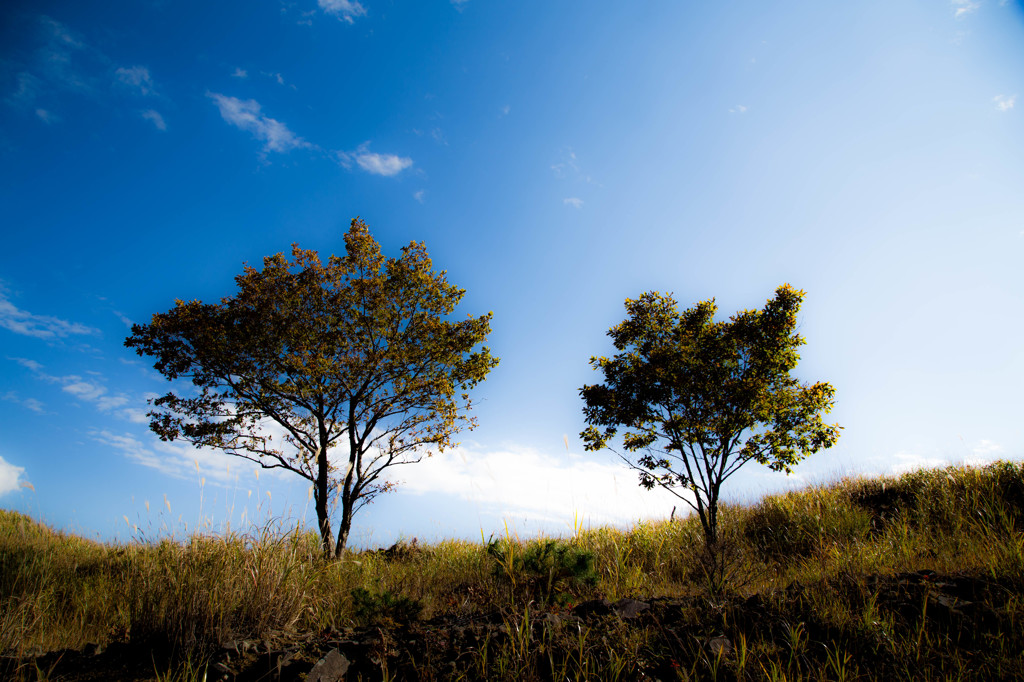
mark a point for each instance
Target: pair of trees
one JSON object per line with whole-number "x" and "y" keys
{"x": 358, "y": 367}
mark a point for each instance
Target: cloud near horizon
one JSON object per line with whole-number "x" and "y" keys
{"x": 553, "y": 489}
{"x": 247, "y": 115}
{"x": 10, "y": 477}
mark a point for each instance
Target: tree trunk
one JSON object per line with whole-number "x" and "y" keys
{"x": 344, "y": 527}
{"x": 323, "y": 518}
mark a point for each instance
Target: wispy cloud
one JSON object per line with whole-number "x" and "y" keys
{"x": 155, "y": 118}
{"x": 240, "y": 73}
{"x": 964, "y": 7}
{"x": 33, "y": 404}
{"x": 387, "y": 165}
{"x": 247, "y": 115}
{"x": 1004, "y": 102}
{"x": 419, "y": 195}
{"x": 739, "y": 109}
{"x": 25, "y": 323}
{"x": 57, "y": 54}
{"x": 26, "y": 91}
{"x": 55, "y": 66}
{"x": 136, "y": 77}
{"x": 575, "y": 202}
{"x": 92, "y": 392}
{"x": 566, "y": 165}
{"x": 10, "y": 477}
{"x": 46, "y": 116}
{"x": 28, "y": 403}
{"x": 459, "y": 4}
{"x": 178, "y": 459}
{"x": 29, "y": 364}
{"x": 345, "y": 10}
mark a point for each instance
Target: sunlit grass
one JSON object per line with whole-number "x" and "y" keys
{"x": 815, "y": 563}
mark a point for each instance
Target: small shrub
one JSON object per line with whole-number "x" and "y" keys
{"x": 376, "y": 607}
{"x": 545, "y": 569}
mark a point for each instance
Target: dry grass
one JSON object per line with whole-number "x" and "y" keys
{"x": 821, "y": 566}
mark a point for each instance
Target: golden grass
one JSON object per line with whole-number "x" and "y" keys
{"x": 59, "y": 591}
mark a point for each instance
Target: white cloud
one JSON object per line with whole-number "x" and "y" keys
{"x": 505, "y": 110}
{"x": 240, "y": 73}
{"x": 136, "y": 77}
{"x": 83, "y": 389}
{"x": 22, "y": 322}
{"x": 418, "y": 195}
{"x": 174, "y": 459}
{"x": 553, "y": 488}
{"x": 902, "y": 462}
{"x": 383, "y": 164}
{"x": 387, "y": 165}
{"x": 1004, "y": 103}
{"x": 109, "y": 402}
{"x": 345, "y": 10}
{"x": 575, "y": 202}
{"x": 133, "y": 448}
{"x": 93, "y": 392}
{"x": 135, "y": 415}
{"x": 457, "y": 4}
{"x": 964, "y": 7}
{"x": 9, "y": 477}
{"x": 155, "y": 117}
{"x": 246, "y": 115}
{"x": 739, "y": 109}
{"x": 46, "y": 116}
{"x": 181, "y": 459}
{"x": 985, "y": 452}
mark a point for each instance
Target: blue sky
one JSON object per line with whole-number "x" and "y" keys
{"x": 556, "y": 158}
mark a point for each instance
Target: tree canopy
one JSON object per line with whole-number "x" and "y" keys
{"x": 700, "y": 398}
{"x": 354, "y": 362}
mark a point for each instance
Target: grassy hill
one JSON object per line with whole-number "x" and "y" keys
{"x": 919, "y": 577}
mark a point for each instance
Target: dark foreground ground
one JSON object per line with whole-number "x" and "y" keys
{"x": 919, "y": 625}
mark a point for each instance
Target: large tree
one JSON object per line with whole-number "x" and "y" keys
{"x": 700, "y": 398}
{"x": 355, "y": 363}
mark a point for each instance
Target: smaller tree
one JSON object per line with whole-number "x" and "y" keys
{"x": 700, "y": 398}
